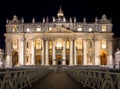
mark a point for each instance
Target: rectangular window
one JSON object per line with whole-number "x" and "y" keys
{"x": 79, "y": 29}
{"x": 104, "y": 28}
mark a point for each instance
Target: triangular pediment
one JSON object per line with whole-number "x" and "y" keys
{"x": 59, "y": 29}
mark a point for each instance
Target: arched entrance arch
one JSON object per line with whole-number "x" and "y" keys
{"x": 14, "y": 57}
{"x": 103, "y": 58}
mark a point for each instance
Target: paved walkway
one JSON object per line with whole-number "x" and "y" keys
{"x": 57, "y": 81}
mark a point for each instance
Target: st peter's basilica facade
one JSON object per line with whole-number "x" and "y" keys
{"x": 59, "y": 42}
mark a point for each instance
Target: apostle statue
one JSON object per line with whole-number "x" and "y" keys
{"x": 70, "y": 19}
{"x": 75, "y": 19}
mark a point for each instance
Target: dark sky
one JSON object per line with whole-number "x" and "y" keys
{"x": 43, "y": 8}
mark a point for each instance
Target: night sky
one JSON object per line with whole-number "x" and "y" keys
{"x": 43, "y": 8}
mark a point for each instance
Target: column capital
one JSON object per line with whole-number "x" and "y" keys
{"x": 96, "y": 39}
{"x": 22, "y": 39}
{"x": 88, "y": 39}
{"x": 53, "y": 39}
{"x": 32, "y": 39}
{"x": 64, "y": 38}
{"x": 110, "y": 40}
{"x": 26, "y": 39}
{"x": 7, "y": 40}
{"x": 46, "y": 39}
{"x": 85, "y": 39}
{"x": 71, "y": 39}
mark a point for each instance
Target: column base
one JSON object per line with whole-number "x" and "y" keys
{"x": 70, "y": 64}
{"x": 63, "y": 63}
{"x": 42, "y": 64}
{"x": 46, "y": 64}
{"x": 75, "y": 64}
{"x": 54, "y": 63}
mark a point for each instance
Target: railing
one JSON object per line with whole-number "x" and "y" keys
{"x": 96, "y": 79}
{"x": 17, "y": 79}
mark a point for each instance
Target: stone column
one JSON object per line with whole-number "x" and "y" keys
{"x": 47, "y": 53}
{"x": 97, "y": 50}
{"x": 75, "y": 59}
{"x": 85, "y": 53}
{"x": 33, "y": 52}
{"x": 64, "y": 53}
{"x": 110, "y": 57}
{"x": 43, "y": 63}
{"x": 21, "y": 50}
{"x": 71, "y": 53}
{"x": 54, "y": 55}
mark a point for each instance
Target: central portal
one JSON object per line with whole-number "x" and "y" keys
{"x": 59, "y": 57}
{"x": 59, "y": 51}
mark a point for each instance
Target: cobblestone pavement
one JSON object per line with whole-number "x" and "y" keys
{"x": 57, "y": 81}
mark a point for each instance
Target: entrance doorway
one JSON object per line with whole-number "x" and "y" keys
{"x": 79, "y": 57}
{"x": 38, "y": 59}
{"x": 103, "y": 58}
{"x": 14, "y": 58}
{"x": 58, "y": 59}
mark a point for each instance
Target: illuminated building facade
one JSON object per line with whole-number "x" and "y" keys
{"x": 59, "y": 42}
